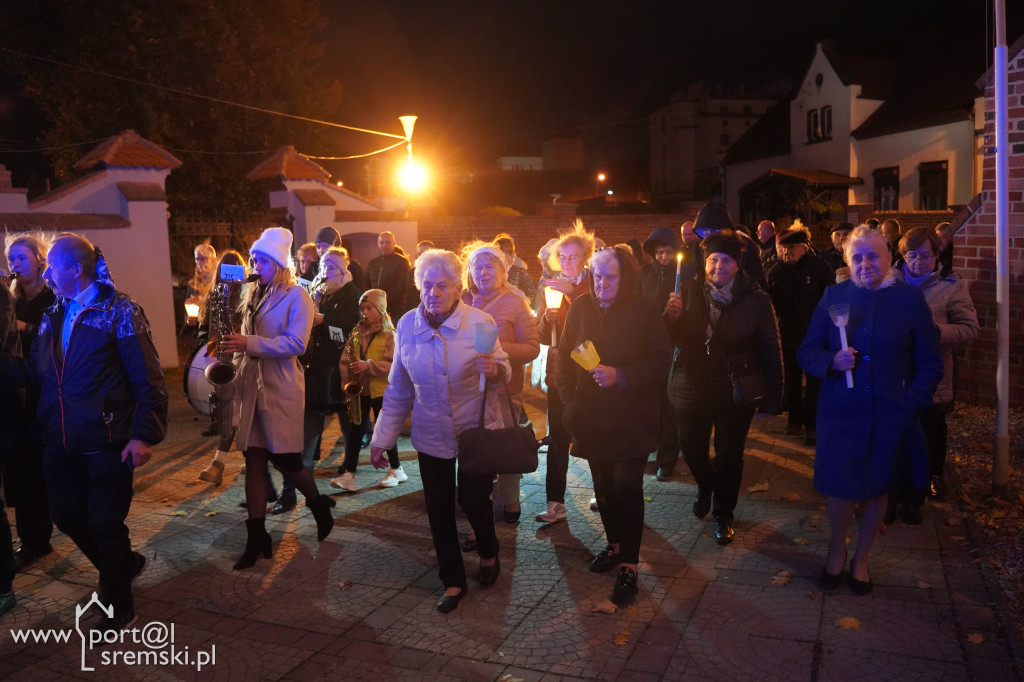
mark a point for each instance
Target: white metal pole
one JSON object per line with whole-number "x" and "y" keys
{"x": 1001, "y": 451}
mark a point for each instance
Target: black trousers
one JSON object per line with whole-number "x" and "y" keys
{"x": 933, "y": 423}
{"x": 7, "y": 566}
{"x": 619, "y": 488}
{"x": 668, "y": 439}
{"x": 474, "y": 492}
{"x": 558, "y": 449}
{"x": 354, "y": 442}
{"x": 25, "y": 488}
{"x": 724, "y": 473}
{"x": 90, "y": 494}
{"x": 802, "y": 406}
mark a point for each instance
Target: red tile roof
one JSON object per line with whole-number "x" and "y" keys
{"x": 67, "y": 188}
{"x": 60, "y": 222}
{"x": 142, "y": 191}
{"x": 288, "y": 164}
{"x": 314, "y": 197}
{"x": 128, "y": 150}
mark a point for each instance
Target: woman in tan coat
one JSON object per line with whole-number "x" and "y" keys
{"x": 277, "y": 316}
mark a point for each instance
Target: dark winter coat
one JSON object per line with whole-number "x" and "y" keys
{"x": 657, "y": 281}
{"x": 108, "y": 389}
{"x": 795, "y": 291}
{"x": 390, "y": 273}
{"x": 746, "y": 329}
{"x": 323, "y": 381}
{"x": 618, "y": 422}
{"x": 869, "y": 435}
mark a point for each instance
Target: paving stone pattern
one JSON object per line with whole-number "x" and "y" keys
{"x": 361, "y": 604}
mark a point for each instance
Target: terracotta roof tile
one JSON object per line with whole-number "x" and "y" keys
{"x": 288, "y": 164}
{"x": 314, "y": 197}
{"x": 67, "y": 188}
{"x": 142, "y": 191}
{"x": 60, "y": 222}
{"x": 128, "y": 150}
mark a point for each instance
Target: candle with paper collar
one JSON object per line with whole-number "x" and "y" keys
{"x": 553, "y": 301}
{"x": 679, "y": 270}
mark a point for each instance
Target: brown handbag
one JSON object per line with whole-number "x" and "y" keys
{"x": 484, "y": 451}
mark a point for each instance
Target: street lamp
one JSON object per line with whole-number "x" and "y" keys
{"x": 601, "y": 177}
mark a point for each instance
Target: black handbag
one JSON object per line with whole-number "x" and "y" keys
{"x": 498, "y": 451}
{"x": 749, "y": 388}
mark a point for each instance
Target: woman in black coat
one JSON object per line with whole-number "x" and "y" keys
{"x": 722, "y": 324}
{"x": 611, "y": 411}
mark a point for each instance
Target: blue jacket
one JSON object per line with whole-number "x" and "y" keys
{"x": 108, "y": 388}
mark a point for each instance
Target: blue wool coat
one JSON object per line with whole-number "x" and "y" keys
{"x": 869, "y": 435}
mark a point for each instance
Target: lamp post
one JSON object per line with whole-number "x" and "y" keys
{"x": 601, "y": 177}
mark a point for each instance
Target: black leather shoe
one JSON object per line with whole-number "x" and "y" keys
{"x": 911, "y": 514}
{"x": 724, "y": 533}
{"x": 469, "y": 545}
{"x": 827, "y": 581}
{"x": 25, "y": 557}
{"x": 666, "y": 473}
{"x": 859, "y": 587}
{"x": 938, "y": 490}
{"x": 448, "y": 603}
{"x": 702, "y": 503}
{"x": 285, "y": 503}
{"x": 489, "y": 574}
{"x": 625, "y": 590}
{"x": 513, "y": 516}
{"x": 605, "y": 561}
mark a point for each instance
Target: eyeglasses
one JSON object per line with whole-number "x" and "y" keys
{"x": 912, "y": 256}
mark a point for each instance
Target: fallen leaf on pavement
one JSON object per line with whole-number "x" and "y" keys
{"x": 759, "y": 487}
{"x": 848, "y": 623}
{"x": 622, "y": 638}
{"x": 791, "y": 497}
{"x": 345, "y": 584}
{"x": 802, "y": 541}
{"x": 604, "y": 607}
{"x": 782, "y": 577}
{"x": 648, "y": 499}
{"x": 209, "y": 514}
{"x": 179, "y": 513}
{"x": 508, "y": 678}
{"x": 923, "y": 585}
{"x": 975, "y": 638}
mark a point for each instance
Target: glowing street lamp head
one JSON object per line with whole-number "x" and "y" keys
{"x": 413, "y": 177}
{"x": 601, "y": 177}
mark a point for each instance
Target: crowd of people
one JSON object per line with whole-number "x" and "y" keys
{"x": 854, "y": 343}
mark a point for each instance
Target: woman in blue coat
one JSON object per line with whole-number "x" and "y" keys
{"x": 869, "y": 435}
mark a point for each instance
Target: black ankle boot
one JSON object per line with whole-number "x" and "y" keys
{"x": 258, "y": 541}
{"x": 321, "y": 508}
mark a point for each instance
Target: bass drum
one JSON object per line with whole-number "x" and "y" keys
{"x": 197, "y": 388}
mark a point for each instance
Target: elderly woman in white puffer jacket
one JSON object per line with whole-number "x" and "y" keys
{"x": 435, "y": 375}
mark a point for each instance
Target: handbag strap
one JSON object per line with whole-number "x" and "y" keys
{"x": 508, "y": 398}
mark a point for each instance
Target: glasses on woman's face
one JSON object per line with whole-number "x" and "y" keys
{"x": 916, "y": 256}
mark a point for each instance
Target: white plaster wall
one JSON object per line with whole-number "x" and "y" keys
{"x": 829, "y": 155}
{"x": 953, "y": 142}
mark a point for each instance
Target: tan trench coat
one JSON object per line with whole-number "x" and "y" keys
{"x": 270, "y": 381}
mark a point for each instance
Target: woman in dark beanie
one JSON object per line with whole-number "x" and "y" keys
{"x": 611, "y": 411}
{"x": 723, "y": 327}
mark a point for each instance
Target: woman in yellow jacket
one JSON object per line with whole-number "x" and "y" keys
{"x": 367, "y": 360}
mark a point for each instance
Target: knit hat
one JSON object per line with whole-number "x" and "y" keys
{"x": 661, "y": 236}
{"x": 489, "y": 250}
{"x": 712, "y": 217}
{"x": 336, "y": 258}
{"x": 791, "y": 237}
{"x": 377, "y": 298}
{"x": 327, "y": 235}
{"x": 275, "y": 242}
{"x": 726, "y": 242}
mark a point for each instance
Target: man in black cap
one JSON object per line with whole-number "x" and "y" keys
{"x": 326, "y": 237}
{"x": 657, "y": 281}
{"x": 714, "y": 217}
{"x": 796, "y": 282}
{"x": 834, "y": 255}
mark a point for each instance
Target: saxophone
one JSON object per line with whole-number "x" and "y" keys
{"x": 221, "y": 372}
{"x": 353, "y": 389}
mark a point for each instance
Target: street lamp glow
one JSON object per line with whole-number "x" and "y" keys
{"x": 413, "y": 177}
{"x": 601, "y": 177}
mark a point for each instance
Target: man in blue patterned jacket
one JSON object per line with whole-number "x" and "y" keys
{"x": 103, "y": 404}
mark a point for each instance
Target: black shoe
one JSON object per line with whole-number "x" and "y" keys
{"x": 829, "y": 582}
{"x": 811, "y": 438}
{"x": 859, "y": 587}
{"x": 938, "y": 490}
{"x": 285, "y": 503}
{"x": 257, "y": 542}
{"x": 121, "y": 620}
{"x": 724, "y": 532}
{"x": 25, "y": 557}
{"x": 366, "y": 441}
{"x": 469, "y": 545}
{"x": 139, "y": 564}
{"x": 321, "y": 508}
{"x": 489, "y": 574}
{"x": 702, "y": 503}
{"x": 911, "y": 514}
{"x": 792, "y": 429}
{"x": 513, "y": 516}
{"x": 605, "y": 561}
{"x": 625, "y": 590}
{"x": 448, "y": 603}
{"x": 666, "y": 473}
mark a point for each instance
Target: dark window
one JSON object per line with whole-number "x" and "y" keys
{"x": 813, "y": 126}
{"x": 933, "y": 185}
{"x": 887, "y": 188}
{"x": 826, "y": 123}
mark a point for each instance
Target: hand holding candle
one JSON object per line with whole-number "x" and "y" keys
{"x": 679, "y": 271}
{"x": 553, "y": 301}
{"x": 484, "y": 337}
{"x": 586, "y": 355}
{"x": 840, "y": 315}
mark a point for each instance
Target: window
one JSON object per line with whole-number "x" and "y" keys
{"x": 819, "y": 124}
{"x": 812, "y": 125}
{"x": 887, "y": 188}
{"x": 933, "y": 185}
{"x": 826, "y": 123}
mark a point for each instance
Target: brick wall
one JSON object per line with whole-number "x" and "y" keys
{"x": 975, "y": 254}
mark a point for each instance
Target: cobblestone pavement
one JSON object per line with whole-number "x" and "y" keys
{"x": 361, "y": 604}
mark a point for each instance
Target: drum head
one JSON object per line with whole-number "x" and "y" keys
{"x": 197, "y": 388}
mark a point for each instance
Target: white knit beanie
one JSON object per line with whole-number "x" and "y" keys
{"x": 275, "y": 242}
